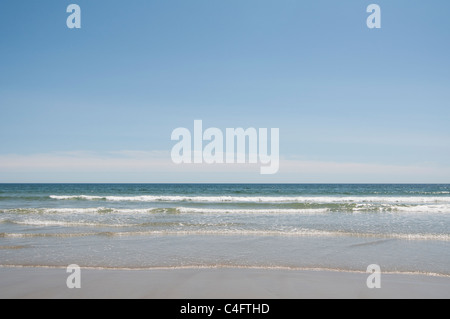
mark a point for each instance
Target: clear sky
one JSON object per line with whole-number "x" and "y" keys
{"x": 98, "y": 104}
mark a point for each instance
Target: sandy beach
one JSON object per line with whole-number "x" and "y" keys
{"x": 228, "y": 283}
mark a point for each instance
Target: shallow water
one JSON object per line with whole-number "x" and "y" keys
{"x": 403, "y": 228}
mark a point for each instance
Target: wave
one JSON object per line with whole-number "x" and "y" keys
{"x": 228, "y": 266}
{"x": 45, "y": 235}
{"x": 49, "y": 223}
{"x": 179, "y": 210}
{"x": 252, "y": 211}
{"x": 115, "y": 224}
{"x": 354, "y": 208}
{"x": 426, "y": 209}
{"x": 404, "y": 208}
{"x": 262, "y": 199}
{"x": 258, "y": 233}
{"x": 294, "y": 233}
{"x": 72, "y": 211}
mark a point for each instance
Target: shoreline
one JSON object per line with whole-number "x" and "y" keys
{"x": 215, "y": 283}
{"x": 237, "y": 267}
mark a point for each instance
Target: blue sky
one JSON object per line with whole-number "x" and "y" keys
{"x": 99, "y": 104}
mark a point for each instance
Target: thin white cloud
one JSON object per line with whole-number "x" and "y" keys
{"x": 156, "y": 166}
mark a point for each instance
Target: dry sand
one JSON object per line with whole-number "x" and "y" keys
{"x": 225, "y": 283}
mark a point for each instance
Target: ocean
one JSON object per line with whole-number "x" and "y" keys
{"x": 402, "y": 228}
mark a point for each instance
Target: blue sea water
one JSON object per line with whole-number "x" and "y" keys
{"x": 403, "y": 228}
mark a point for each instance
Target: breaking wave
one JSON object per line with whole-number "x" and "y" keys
{"x": 261, "y": 199}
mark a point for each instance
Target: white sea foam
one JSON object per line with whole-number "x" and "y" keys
{"x": 265, "y": 199}
{"x": 426, "y": 209}
{"x": 68, "y": 211}
{"x": 49, "y": 223}
{"x": 182, "y": 210}
{"x": 77, "y": 197}
{"x": 45, "y": 235}
{"x": 311, "y": 211}
{"x": 237, "y": 232}
{"x": 404, "y": 208}
{"x": 290, "y": 233}
{"x": 82, "y": 211}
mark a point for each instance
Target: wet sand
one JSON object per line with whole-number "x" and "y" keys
{"x": 228, "y": 283}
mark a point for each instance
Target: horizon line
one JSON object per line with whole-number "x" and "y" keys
{"x": 217, "y": 183}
